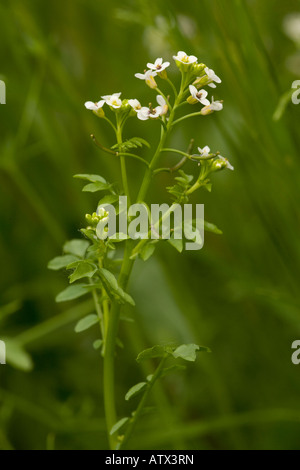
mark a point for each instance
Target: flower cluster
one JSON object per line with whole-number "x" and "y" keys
{"x": 195, "y": 77}
{"x": 218, "y": 162}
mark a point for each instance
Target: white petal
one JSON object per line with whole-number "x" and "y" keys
{"x": 150, "y": 74}
{"x": 158, "y": 61}
{"x": 134, "y": 103}
{"x": 205, "y": 102}
{"x": 181, "y": 55}
{"x": 161, "y": 100}
{"x": 212, "y": 85}
{"x": 141, "y": 76}
{"x": 193, "y": 90}
{"x": 100, "y": 103}
{"x": 192, "y": 59}
{"x": 106, "y": 97}
{"x": 143, "y": 114}
{"x": 90, "y": 105}
{"x": 151, "y": 66}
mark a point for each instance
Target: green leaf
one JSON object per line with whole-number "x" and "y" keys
{"x": 148, "y": 250}
{"x": 97, "y": 344}
{"x": 91, "y": 178}
{"x": 188, "y": 351}
{"x": 212, "y": 228}
{"x": 118, "y": 425}
{"x": 94, "y": 187}
{"x": 112, "y": 287}
{"x": 108, "y": 199}
{"x": 83, "y": 269}
{"x": 72, "y": 292}
{"x": 86, "y": 323}
{"x": 177, "y": 244}
{"x": 135, "y": 390}
{"x": 17, "y": 357}
{"x": 61, "y": 262}
{"x": 155, "y": 351}
{"x": 76, "y": 247}
{"x": 132, "y": 143}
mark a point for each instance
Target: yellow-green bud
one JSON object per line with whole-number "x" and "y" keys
{"x": 192, "y": 100}
{"x": 150, "y": 81}
{"x": 163, "y": 74}
{"x": 100, "y": 113}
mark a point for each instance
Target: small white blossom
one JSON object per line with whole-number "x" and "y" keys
{"x": 199, "y": 95}
{"x": 148, "y": 76}
{"x": 205, "y": 152}
{"x": 159, "y": 65}
{"x": 213, "y": 106}
{"x": 216, "y": 105}
{"x": 184, "y": 58}
{"x": 213, "y": 77}
{"x": 94, "y": 106}
{"x": 147, "y": 113}
{"x": 163, "y": 104}
{"x": 228, "y": 164}
{"x": 113, "y": 100}
{"x": 135, "y": 104}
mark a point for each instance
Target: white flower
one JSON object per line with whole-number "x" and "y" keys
{"x": 135, "y": 104}
{"x": 216, "y": 105}
{"x": 147, "y": 113}
{"x": 153, "y": 113}
{"x": 162, "y": 104}
{"x": 159, "y": 65}
{"x": 212, "y": 77}
{"x": 205, "y": 152}
{"x": 94, "y": 106}
{"x": 213, "y": 106}
{"x": 228, "y": 164}
{"x": 113, "y": 100}
{"x": 199, "y": 95}
{"x": 184, "y": 58}
{"x": 148, "y": 76}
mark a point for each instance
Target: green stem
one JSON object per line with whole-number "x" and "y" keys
{"x": 99, "y": 312}
{"x": 112, "y": 331}
{"x": 132, "y": 155}
{"x": 186, "y": 117}
{"x": 173, "y": 87}
{"x": 123, "y": 164}
{"x": 142, "y": 404}
{"x": 187, "y": 155}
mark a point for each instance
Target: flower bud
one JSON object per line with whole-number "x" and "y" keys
{"x": 199, "y": 69}
{"x": 206, "y": 110}
{"x": 100, "y": 113}
{"x": 192, "y": 100}
{"x": 163, "y": 74}
{"x": 150, "y": 81}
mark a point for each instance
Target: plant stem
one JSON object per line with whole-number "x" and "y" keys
{"x": 112, "y": 331}
{"x": 187, "y": 116}
{"x": 123, "y": 164}
{"x": 142, "y": 403}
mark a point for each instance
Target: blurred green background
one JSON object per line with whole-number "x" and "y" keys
{"x": 239, "y": 295}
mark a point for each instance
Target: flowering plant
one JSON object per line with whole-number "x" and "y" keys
{"x": 91, "y": 260}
